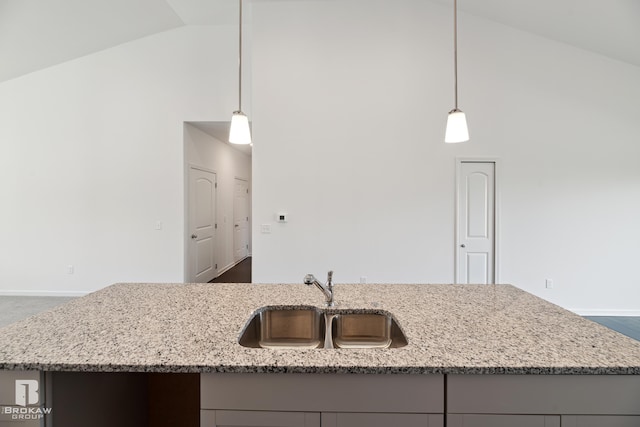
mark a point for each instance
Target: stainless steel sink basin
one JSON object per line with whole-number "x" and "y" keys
{"x": 310, "y": 327}
{"x": 366, "y": 330}
{"x": 288, "y": 327}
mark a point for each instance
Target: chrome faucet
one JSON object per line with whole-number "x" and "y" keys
{"x": 327, "y": 290}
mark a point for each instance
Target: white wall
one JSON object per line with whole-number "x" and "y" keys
{"x": 91, "y": 156}
{"x": 349, "y": 110}
{"x": 228, "y": 163}
{"x": 91, "y": 153}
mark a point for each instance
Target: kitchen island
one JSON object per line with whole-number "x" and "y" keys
{"x": 476, "y": 355}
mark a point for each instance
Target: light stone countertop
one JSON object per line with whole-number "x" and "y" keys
{"x": 452, "y": 329}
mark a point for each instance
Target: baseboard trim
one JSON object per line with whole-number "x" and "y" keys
{"x": 605, "y": 312}
{"x": 44, "y": 293}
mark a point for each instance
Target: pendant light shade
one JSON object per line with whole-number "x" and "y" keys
{"x": 457, "y": 130}
{"x": 239, "y": 132}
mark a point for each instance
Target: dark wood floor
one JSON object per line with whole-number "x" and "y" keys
{"x": 241, "y": 273}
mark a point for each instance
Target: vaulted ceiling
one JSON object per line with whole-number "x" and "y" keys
{"x": 35, "y": 34}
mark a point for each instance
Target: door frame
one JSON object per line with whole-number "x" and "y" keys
{"x": 188, "y": 253}
{"x": 249, "y": 218}
{"x": 496, "y": 213}
{"x": 249, "y": 209}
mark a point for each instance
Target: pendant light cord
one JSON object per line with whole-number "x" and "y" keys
{"x": 240, "y": 58}
{"x": 455, "y": 50}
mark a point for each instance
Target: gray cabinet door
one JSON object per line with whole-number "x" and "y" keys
{"x": 343, "y": 419}
{"x": 209, "y": 418}
{"x": 483, "y": 420}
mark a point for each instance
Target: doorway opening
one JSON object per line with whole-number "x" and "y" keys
{"x": 225, "y": 203}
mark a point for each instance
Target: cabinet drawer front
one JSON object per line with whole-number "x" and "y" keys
{"x": 258, "y": 419}
{"x": 475, "y": 420}
{"x": 381, "y": 420}
{"x": 600, "y": 421}
{"x": 544, "y": 394}
{"x": 323, "y": 392}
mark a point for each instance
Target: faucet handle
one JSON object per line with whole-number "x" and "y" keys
{"x": 329, "y": 278}
{"x": 309, "y": 279}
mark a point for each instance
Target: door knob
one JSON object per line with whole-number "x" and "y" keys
{"x": 236, "y": 225}
{"x": 194, "y": 236}
{"x": 463, "y": 245}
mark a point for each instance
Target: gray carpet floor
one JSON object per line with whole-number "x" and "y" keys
{"x": 14, "y": 308}
{"x": 626, "y": 325}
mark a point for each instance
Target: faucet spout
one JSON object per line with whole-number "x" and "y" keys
{"x": 327, "y": 290}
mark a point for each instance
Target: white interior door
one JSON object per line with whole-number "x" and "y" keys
{"x": 241, "y": 220}
{"x": 202, "y": 225}
{"x": 475, "y": 254}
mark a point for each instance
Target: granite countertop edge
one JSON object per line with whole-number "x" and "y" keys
{"x": 368, "y": 370}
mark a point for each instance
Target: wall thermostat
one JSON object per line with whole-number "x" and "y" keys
{"x": 282, "y": 217}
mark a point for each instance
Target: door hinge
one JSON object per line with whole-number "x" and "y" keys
{"x": 247, "y": 246}
{"x": 247, "y": 191}
{"x": 216, "y": 266}
{"x": 247, "y": 218}
{"x": 216, "y": 226}
{"x": 215, "y": 185}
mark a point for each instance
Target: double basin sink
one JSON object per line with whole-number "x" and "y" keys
{"x": 310, "y": 327}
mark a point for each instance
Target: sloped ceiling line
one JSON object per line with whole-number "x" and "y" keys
{"x": 36, "y": 34}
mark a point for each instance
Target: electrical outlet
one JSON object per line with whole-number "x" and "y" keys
{"x": 70, "y": 269}
{"x": 548, "y": 283}
{"x": 265, "y": 228}
{"x": 363, "y": 279}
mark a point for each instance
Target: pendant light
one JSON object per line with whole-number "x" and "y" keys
{"x": 457, "y": 130}
{"x": 239, "y": 133}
